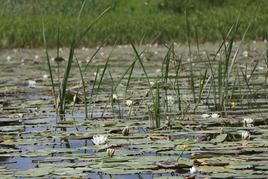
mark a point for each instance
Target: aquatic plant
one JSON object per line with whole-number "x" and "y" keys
{"x": 205, "y": 115}
{"x": 193, "y": 170}
{"x": 248, "y": 121}
{"x": 245, "y": 135}
{"x": 157, "y": 107}
{"x": 110, "y": 152}
{"x": 99, "y": 140}
{"x": 125, "y": 131}
{"x": 184, "y": 148}
{"x": 215, "y": 115}
{"x": 60, "y": 96}
{"x": 129, "y": 103}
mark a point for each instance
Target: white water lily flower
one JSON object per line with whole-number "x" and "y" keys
{"x": 31, "y": 83}
{"x": 245, "y": 135}
{"x": 129, "y": 102}
{"x": 248, "y": 122}
{"x": 99, "y": 140}
{"x": 193, "y": 170}
{"x": 215, "y": 115}
{"x": 8, "y": 58}
{"x": 205, "y": 115}
{"x": 245, "y": 53}
{"x": 170, "y": 99}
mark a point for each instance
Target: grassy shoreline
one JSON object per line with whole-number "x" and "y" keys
{"x": 128, "y": 21}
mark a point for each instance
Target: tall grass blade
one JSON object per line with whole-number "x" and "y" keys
{"x": 131, "y": 68}
{"x": 190, "y": 56}
{"x": 94, "y": 54}
{"x": 122, "y": 77}
{"x": 93, "y": 100}
{"x": 86, "y": 31}
{"x": 69, "y": 65}
{"x": 71, "y": 56}
{"x": 83, "y": 87}
{"x": 157, "y": 107}
{"x": 165, "y": 63}
{"x": 141, "y": 63}
{"x": 201, "y": 88}
{"x": 49, "y": 65}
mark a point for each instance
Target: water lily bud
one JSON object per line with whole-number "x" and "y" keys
{"x": 74, "y": 98}
{"x": 110, "y": 152}
{"x": 245, "y": 135}
{"x": 114, "y": 97}
{"x": 125, "y": 131}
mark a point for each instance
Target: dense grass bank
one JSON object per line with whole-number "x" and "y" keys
{"x": 126, "y": 21}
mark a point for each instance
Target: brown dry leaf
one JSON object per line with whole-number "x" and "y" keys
{"x": 172, "y": 166}
{"x": 47, "y": 94}
{"x": 7, "y": 141}
{"x": 200, "y": 139}
{"x": 196, "y": 162}
{"x": 157, "y": 137}
{"x": 102, "y": 118}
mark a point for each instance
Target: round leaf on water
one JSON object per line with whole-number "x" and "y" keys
{"x": 34, "y": 172}
{"x": 220, "y": 138}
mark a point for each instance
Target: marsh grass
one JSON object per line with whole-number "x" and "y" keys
{"x": 157, "y": 111}
{"x": 200, "y": 83}
{"x": 60, "y": 96}
{"x": 221, "y": 76}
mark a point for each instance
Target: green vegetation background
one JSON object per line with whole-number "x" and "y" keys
{"x": 128, "y": 21}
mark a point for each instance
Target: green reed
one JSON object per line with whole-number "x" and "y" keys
{"x": 60, "y": 96}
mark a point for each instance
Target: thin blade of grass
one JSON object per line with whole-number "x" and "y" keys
{"x": 141, "y": 63}
{"x": 157, "y": 107}
{"x": 49, "y": 65}
{"x": 96, "y": 20}
{"x": 83, "y": 87}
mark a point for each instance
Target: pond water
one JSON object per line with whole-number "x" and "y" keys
{"x": 213, "y": 112}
